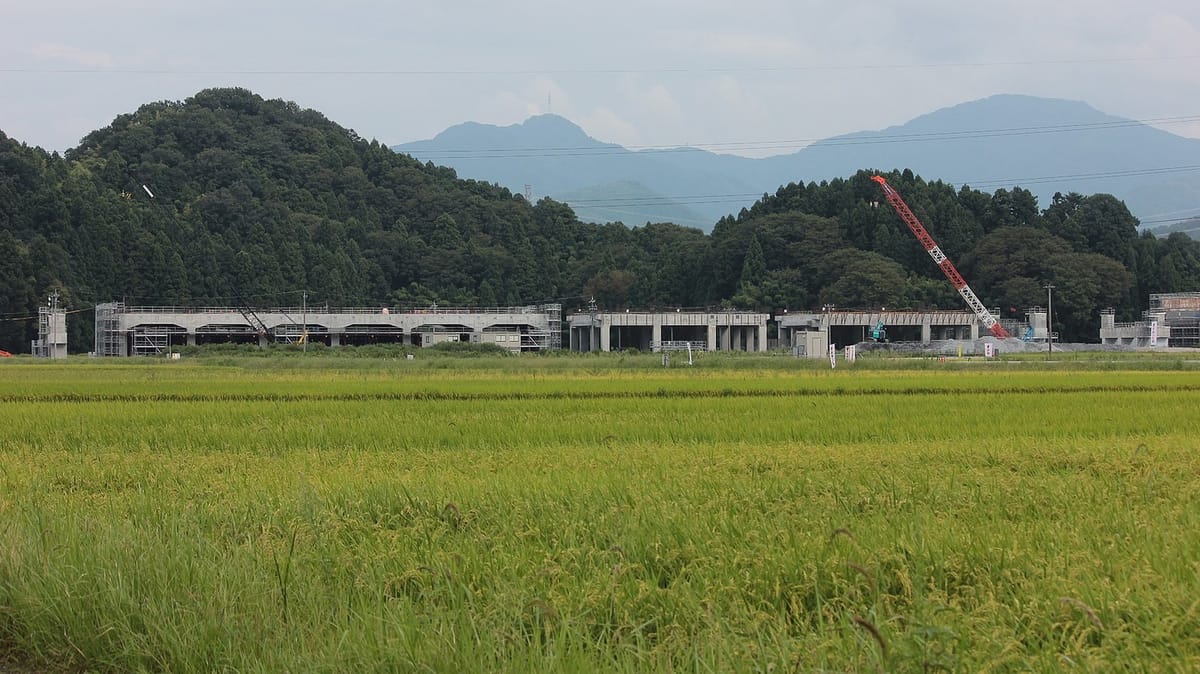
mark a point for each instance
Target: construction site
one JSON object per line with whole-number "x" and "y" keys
{"x": 698, "y": 330}
{"x": 1173, "y": 320}
{"x": 123, "y": 330}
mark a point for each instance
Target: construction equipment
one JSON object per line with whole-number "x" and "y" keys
{"x": 5, "y": 354}
{"x": 248, "y": 313}
{"x": 989, "y": 321}
{"x": 879, "y": 332}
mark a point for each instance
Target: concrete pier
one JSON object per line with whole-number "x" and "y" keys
{"x": 726, "y": 330}
{"x": 852, "y": 327}
{"x": 138, "y": 330}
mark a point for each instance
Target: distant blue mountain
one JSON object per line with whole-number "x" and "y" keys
{"x": 556, "y": 158}
{"x": 1044, "y": 145}
{"x": 1190, "y": 227}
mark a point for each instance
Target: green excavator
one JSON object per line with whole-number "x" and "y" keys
{"x": 879, "y": 333}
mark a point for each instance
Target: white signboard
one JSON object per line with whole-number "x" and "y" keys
{"x": 989, "y": 350}
{"x": 851, "y": 353}
{"x": 1153, "y": 333}
{"x": 833, "y": 355}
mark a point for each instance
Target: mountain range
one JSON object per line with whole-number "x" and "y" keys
{"x": 227, "y": 197}
{"x": 1041, "y": 144}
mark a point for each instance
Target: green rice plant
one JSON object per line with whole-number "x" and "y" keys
{"x": 204, "y": 518}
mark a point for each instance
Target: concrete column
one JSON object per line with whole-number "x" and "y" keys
{"x": 335, "y": 339}
{"x": 656, "y": 333}
{"x": 926, "y": 332}
{"x": 262, "y": 341}
{"x": 605, "y": 333}
{"x": 572, "y": 339}
{"x": 191, "y": 339}
{"x": 974, "y": 330}
{"x": 712, "y": 334}
{"x": 727, "y": 338}
{"x": 762, "y": 337}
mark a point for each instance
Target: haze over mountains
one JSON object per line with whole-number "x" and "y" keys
{"x": 1044, "y": 145}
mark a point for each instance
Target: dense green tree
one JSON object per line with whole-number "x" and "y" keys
{"x": 256, "y": 200}
{"x": 853, "y": 278}
{"x": 667, "y": 263}
{"x": 1178, "y": 264}
{"x": 754, "y": 267}
{"x": 1014, "y": 252}
{"x": 1084, "y": 284}
{"x": 611, "y": 288}
{"x": 780, "y": 289}
{"x": 18, "y": 296}
{"x": 1017, "y": 208}
{"x": 1106, "y": 225}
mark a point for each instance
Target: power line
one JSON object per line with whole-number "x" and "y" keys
{"x": 17, "y": 319}
{"x": 1165, "y": 221}
{"x": 457, "y": 72}
{"x": 622, "y": 204}
{"x": 1175, "y": 212}
{"x": 1080, "y": 176}
{"x": 741, "y": 198}
{"x": 665, "y": 200}
{"x": 609, "y": 149}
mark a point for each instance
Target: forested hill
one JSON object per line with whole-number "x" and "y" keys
{"x": 257, "y": 200}
{"x": 841, "y": 243}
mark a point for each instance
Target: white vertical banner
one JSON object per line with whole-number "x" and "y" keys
{"x": 989, "y": 350}
{"x": 1153, "y": 333}
{"x": 832, "y": 356}
{"x": 851, "y": 353}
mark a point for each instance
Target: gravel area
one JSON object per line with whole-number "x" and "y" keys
{"x": 976, "y": 347}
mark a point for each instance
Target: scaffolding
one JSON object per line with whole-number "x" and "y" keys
{"x": 1185, "y": 333}
{"x": 52, "y": 330}
{"x": 554, "y": 326}
{"x": 110, "y": 341}
{"x": 1181, "y": 311}
{"x": 1188, "y": 303}
{"x": 156, "y": 340}
{"x": 123, "y": 330}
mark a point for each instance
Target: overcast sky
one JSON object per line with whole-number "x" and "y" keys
{"x": 665, "y": 72}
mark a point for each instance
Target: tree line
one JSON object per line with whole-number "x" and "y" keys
{"x": 230, "y": 199}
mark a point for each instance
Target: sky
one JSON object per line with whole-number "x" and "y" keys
{"x": 753, "y": 77}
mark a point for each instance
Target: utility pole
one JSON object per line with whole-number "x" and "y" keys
{"x": 1049, "y": 319}
{"x": 593, "y": 331}
{"x": 52, "y": 351}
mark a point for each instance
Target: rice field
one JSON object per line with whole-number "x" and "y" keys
{"x": 259, "y": 516}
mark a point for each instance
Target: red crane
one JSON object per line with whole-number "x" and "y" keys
{"x": 989, "y": 321}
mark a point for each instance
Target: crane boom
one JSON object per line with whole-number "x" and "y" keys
{"x": 939, "y": 258}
